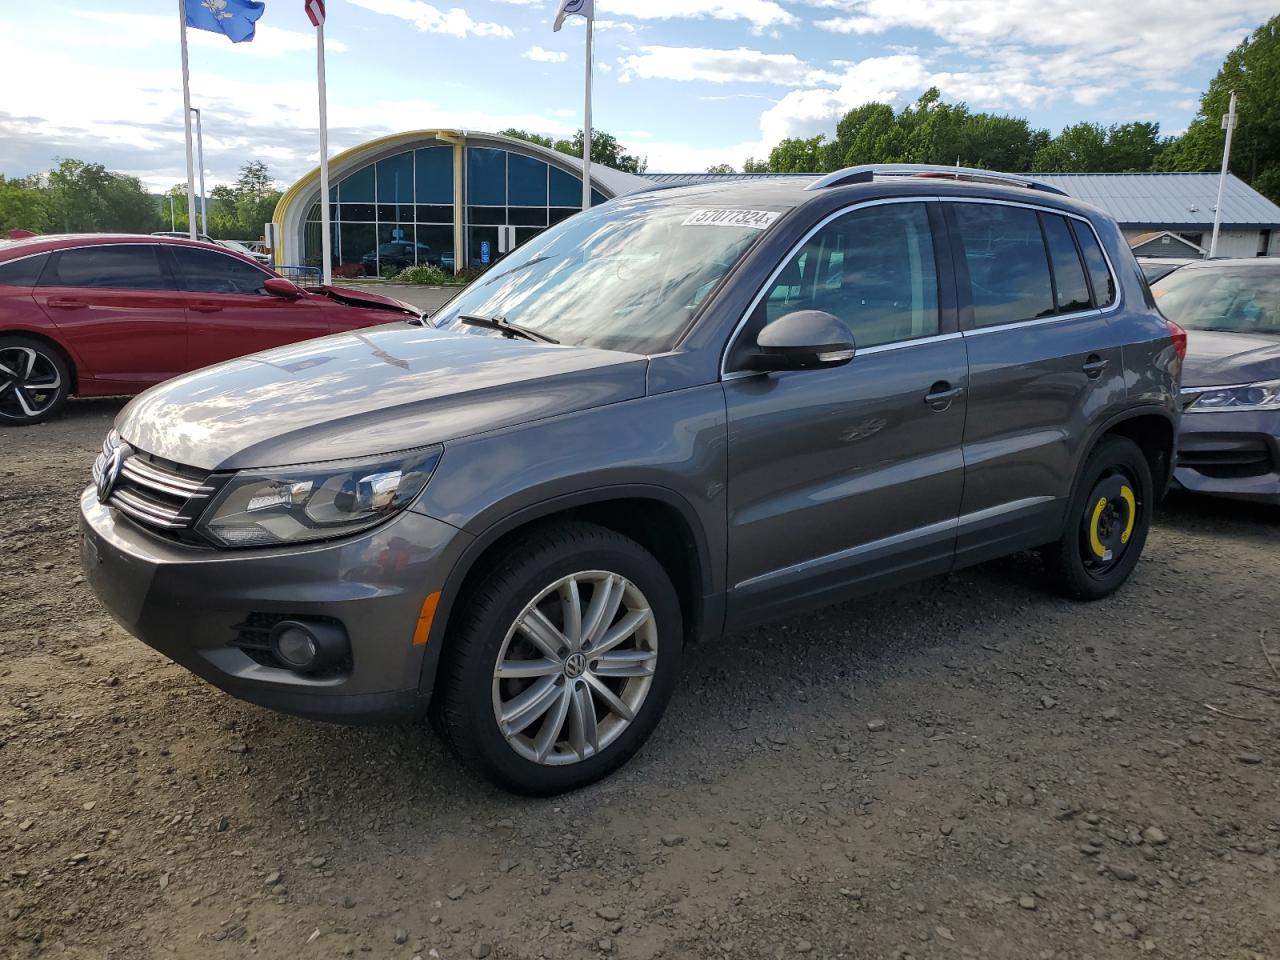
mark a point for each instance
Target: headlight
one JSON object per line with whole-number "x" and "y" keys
{"x": 1264, "y": 395}
{"x": 316, "y": 501}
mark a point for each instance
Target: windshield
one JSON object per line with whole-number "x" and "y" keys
{"x": 620, "y": 277}
{"x": 1233, "y": 299}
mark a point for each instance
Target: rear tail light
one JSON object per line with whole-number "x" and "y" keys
{"x": 1179, "y": 339}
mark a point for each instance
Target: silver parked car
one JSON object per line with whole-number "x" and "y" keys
{"x": 1229, "y": 445}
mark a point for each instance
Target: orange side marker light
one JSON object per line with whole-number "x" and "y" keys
{"x": 428, "y": 613}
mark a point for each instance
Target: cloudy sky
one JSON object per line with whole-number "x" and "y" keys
{"x": 686, "y": 83}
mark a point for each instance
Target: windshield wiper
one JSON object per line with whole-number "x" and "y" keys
{"x": 505, "y": 327}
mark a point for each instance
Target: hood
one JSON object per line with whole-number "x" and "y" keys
{"x": 370, "y": 301}
{"x": 369, "y": 392}
{"x": 1218, "y": 359}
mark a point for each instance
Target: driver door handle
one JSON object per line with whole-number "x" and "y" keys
{"x": 941, "y": 394}
{"x": 1094, "y": 366}
{"x": 65, "y": 303}
{"x": 205, "y": 307}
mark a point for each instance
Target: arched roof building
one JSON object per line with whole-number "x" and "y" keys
{"x": 455, "y": 198}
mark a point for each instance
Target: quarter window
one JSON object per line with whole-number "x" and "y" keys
{"x": 134, "y": 266}
{"x": 1104, "y": 285}
{"x": 1008, "y": 271}
{"x": 873, "y": 268}
{"x": 205, "y": 271}
{"x": 1071, "y": 289}
{"x": 22, "y": 273}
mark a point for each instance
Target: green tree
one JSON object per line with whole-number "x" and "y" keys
{"x": 23, "y": 205}
{"x": 87, "y": 197}
{"x": 1252, "y": 70}
{"x": 797, "y": 155}
{"x": 721, "y": 168}
{"x": 752, "y": 165}
{"x": 1093, "y": 148}
{"x": 605, "y": 148}
{"x": 537, "y": 138}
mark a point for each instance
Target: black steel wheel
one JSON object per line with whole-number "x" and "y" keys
{"x": 1107, "y": 522}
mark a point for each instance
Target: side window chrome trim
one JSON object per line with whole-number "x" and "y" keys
{"x": 1039, "y": 208}
{"x": 793, "y": 252}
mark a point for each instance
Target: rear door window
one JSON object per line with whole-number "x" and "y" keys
{"x": 1071, "y": 289}
{"x": 1104, "y": 285}
{"x": 132, "y": 266}
{"x": 207, "y": 271}
{"x": 24, "y": 272}
{"x": 1008, "y": 270}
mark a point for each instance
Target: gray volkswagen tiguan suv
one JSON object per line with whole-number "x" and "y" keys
{"x": 671, "y": 417}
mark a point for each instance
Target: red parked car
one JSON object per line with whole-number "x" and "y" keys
{"x": 99, "y": 315}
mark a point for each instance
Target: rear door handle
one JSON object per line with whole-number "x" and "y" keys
{"x": 1094, "y": 366}
{"x": 205, "y": 307}
{"x": 941, "y": 394}
{"x": 65, "y": 303}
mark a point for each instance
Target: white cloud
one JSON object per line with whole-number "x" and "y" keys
{"x": 430, "y": 19}
{"x": 130, "y": 117}
{"x": 720, "y": 66}
{"x": 539, "y": 55}
{"x": 759, "y": 13}
{"x": 804, "y": 113}
{"x": 1147, "y": 37}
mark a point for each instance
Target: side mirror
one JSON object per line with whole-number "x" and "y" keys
{"x": 280, "y": 287}
{"x": 804, "y": 340}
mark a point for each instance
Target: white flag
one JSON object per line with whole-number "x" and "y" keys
{"x": 575, "y": 8}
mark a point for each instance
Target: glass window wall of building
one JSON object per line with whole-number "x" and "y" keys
{"x": 399, "y": 211}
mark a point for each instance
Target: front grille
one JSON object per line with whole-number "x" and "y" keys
{"x": 157, "y": 494}
{"x": 253, "y": 637}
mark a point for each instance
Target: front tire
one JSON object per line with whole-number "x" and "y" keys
{"x": 562, "y": 660}
{"x": 1106, "y": 525}
{"x": 35, "y": 381}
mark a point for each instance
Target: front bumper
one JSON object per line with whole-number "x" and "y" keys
{"x": 193, "y": 604}
{"x": 1230, "y": 454}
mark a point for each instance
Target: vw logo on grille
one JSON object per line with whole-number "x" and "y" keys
{"x": 575, "y": 666}
{"x": 111, "y": 468}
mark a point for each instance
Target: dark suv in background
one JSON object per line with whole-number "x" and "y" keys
{"x": 666, "y": 419}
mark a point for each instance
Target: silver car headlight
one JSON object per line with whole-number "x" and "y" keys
{"x": 316, "y": 501}
{"x": 1264, "y": 395}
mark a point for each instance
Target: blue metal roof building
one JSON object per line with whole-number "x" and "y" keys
{"x": 1142, "y": 203}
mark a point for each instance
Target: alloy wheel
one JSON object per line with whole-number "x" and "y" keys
{"x": 30, "y": 383}
{"x": 575, "y": 668}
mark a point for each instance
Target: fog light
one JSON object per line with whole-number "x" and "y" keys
{"x": 308, "y": 647}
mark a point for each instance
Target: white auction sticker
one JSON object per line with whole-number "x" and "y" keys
{"x": 755, "y": 219}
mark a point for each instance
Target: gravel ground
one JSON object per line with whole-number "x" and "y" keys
{"x": 968, "y": 767}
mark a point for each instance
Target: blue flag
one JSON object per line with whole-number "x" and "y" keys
{"x": 234, "y": 18}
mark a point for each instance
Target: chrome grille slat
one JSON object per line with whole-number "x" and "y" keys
{"x": 139, "y": 509}
{"x": 147, "y": 474}
{"x": 163, "y": 497}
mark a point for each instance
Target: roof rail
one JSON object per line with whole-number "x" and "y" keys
{"x": 869, "y": 171}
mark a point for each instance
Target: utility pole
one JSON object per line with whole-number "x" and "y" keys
{"x": 1228, "y": 124}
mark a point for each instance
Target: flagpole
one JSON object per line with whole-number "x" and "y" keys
{"x": 326, "y": 241}
{"x": 186, "y": 117}
{"x": 586, "y": 122}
